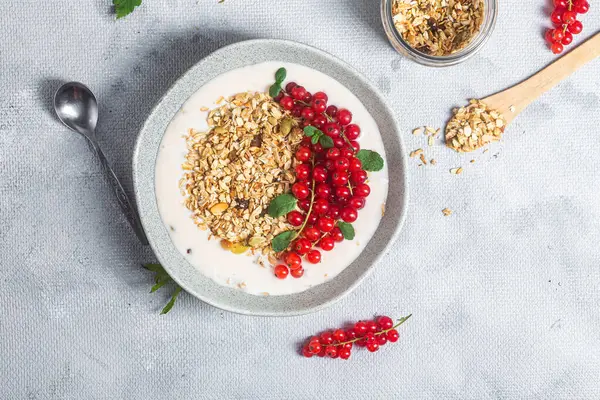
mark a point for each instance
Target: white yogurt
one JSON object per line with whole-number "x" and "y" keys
{"x": 241, "y": 271}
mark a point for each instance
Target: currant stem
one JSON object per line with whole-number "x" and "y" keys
{"x": 312, "y": 201}
{"x": 400, "y": 322}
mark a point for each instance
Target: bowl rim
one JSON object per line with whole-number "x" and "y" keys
{"x": 151, "y": 134}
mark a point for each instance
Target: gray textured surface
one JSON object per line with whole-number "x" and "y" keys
{"x": 504, "y": 293}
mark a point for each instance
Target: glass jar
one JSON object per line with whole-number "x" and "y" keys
{"x": 487, "y": 26}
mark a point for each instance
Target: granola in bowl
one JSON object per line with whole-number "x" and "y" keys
{"x": 234, "y": 170}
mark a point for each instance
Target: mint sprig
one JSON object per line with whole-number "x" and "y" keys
{"x": 317, "y": 136}
{"x": 347, "y": 230}
{"x": 281, "y": 205}
{"x": 282, "y": 241}
{"x": 371, "y": 160}
{"x": 125, "y": 7}
{"x": 275, "y": 88}
{"x": 160, "y": 279}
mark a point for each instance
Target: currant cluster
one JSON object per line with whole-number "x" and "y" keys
{"x": 339, "y": 343}
{"x": 564, "y": 18}
{"x": 330, "y": 183}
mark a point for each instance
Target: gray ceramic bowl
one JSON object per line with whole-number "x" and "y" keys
{"x": 144, "y": 161}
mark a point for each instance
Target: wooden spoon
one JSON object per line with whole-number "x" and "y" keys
{"x": 512, "y": 101}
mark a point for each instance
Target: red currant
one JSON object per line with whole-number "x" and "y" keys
{"x": 339, "y": 335}
{"x": 334, "y": 212}
{"x": 287, "y": 102}
{"x": 357, "y": 202}
{"x": 332, "y": 111}
{"x": 314, "y": 256}
{"x": 325, "y": 224}
{"x": 300, "y": 190}
{"x": 339, "y": 178}
{"x": 346, "y": 152}
{"x": 329, "y": 165}
{"x": 317, "y": 148}
{"x": 326, "y": 338}
{"x": 314, "y": 346}
{"x": 360, "y": 329}
{"x": 568, "y": 39}
{"x": 331, "y": 351}
{"x": 372, "y": 326}
{"x": 575, "y": 28}
{"x": 342, "y": 192}
{"x": 350, "y": 334}
{"x": 548, "y": 35}
{"x": 344, "y": 353}
{"x": 297, "y": 110}
{"x": 302, "y": 172}
{"x": 319, "y": 105}
{"x": 581, "y": 6}
{"x": 557, "y": 16}
{"x": 569, "y": 17}
{"x": 355, "y": 146}
{"x": 306, "y": 352}
{"x": 297, "y": 273}
{"x": 339, "y": 142}
{"x": 321, "y": 96}
{"x": 320, "y": 207}
{"x": 344, "y": 117}
{"x": 332, "y": 153}
{"x": 307, "y": 97}
{"x": 380, "y": 339}
{"x": 281, "y": 271}
{"x": 327, "y": 243}
{"x": 557, "y": 48}
{"x": 561, "y": 3}
{"x": 393, "y": 335}
{"x": 319, "y": 121}
{"x": 293, "y": 260}
{"x": 298, "y": 92}
{"x": 557, "y": 35}
{"x": 348, "y": 214}
{"x": 307, "y": 113}
{"x": 312, "y": 233}
{"x": 323, "y": 191}
{"x": 290, "y": 86}
{"x": 385, "y": 322}
{"x": 337, "y": 235}
{"x": 347, "y": 346}
{"x": 352, "y": 132}
{"x": 319, "y": 173}
{"x": 312, "y": 218}
{"x": 372, "y": 346}
{"x": 295, "y": 218}
{"x": 342, "y": 164}
{"x": 332, "y": 129}
{"x": 301, "y": 246}
{"x": 362, "y": 190}
{"x": 304, "y": 204}
{"x": 358, "y": 177}
{"x": 303, "y": 153}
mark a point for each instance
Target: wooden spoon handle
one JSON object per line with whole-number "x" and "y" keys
{"x": 521, "y": 95}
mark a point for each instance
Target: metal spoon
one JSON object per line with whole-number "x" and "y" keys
{"x": 77, "y": 108}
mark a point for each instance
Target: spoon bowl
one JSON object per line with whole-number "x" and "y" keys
{"x": 76, "y": 107}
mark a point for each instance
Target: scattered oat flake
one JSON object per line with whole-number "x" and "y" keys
{"x": 228, "y": 281}
{"x": 423, "y": 160}
{"x": 417, "y": 131}
{"x": 204, "y": 108}
{"x": 433, "y": 161}
{"x": 486, "y": 150}
{"x": 383, "y": 209}
{"x": 446, "y": 211}
{"x": 430, "y": 141}
{"x": 326, "y": 275}
{"x": 220, "y": 100}
{"x": 242, "y": 285}
{"x": 472, "y": 161}
{"x": 416, "y": 153}
{"x": 456, "y": 171}
{"x": 512, "y": 108}
{"x": 265, "y": 293}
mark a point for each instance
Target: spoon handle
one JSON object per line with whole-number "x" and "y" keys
{"x": 128, "y": 210}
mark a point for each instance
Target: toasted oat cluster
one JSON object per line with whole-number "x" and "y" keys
{"x": 234, "y": 170}
{"x": 438, "y": 27}
{"x": 474, "y": 126}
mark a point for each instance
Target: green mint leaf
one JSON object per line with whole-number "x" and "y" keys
{"x": 311, "y": 131}
{"x": 371, "y": 160}
{"x": 282, "y": 241}
{"x": 347, "y": 230}
{"x": 171, "y": 302}
{"x": 281, "y": 205}
{"x": 326, "y": 142}
{"x": 274, "y": 89}
{"x": 125, "y": 7}
{"x": 280, "y": 75}
{"x": 158, "y": 285}
{"x": 154, "y": 268}
{"x": 315, "y": 139}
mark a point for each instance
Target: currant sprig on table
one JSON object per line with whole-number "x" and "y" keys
{"x": 564, "y": 18}
{"x": 339, "y": 342}
{"x": 331, "y": 175}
